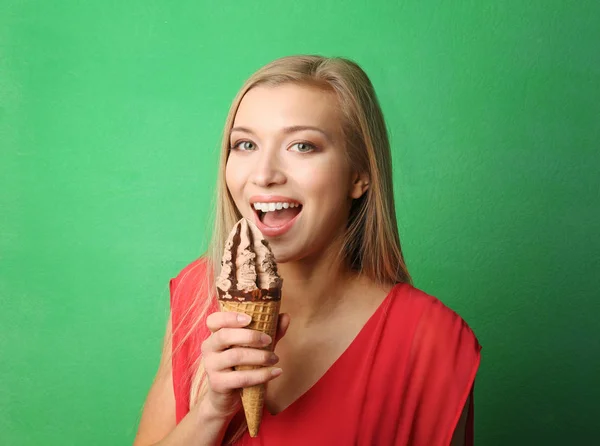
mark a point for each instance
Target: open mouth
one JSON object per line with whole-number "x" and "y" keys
{"x": 277, "y": 214}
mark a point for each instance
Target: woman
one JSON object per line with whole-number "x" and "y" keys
{"x": 361, "y": 356}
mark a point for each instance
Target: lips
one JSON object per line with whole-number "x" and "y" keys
{"x": 275, "y": 215}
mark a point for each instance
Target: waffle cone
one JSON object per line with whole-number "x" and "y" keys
{"x": 265, "y": 315}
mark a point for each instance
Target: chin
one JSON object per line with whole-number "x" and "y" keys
{"x": 281, "y": 255}
{"x": 286, "y": 254}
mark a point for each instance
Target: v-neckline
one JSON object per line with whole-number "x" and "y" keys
{"x": 365, "y": 330}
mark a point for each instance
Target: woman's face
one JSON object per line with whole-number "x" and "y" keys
{"x": 287, "y": 170}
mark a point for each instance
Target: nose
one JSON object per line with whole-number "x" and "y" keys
{"x": 268, "y": 170}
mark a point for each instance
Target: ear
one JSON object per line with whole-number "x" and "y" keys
{"x": 360, "y": 184}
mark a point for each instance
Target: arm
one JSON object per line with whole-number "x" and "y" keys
{"x": 459, "y": 438}
{"x": 206, "y": 422}
{"x": 200, "y": 426}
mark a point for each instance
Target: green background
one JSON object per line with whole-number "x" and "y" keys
{"x": 110, "y": 118}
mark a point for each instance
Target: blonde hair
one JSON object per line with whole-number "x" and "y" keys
{"x": 371, "y": 243}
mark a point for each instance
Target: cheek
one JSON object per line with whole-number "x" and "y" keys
{"x": 233, "y": 178}
{"x": 327, "y": 182}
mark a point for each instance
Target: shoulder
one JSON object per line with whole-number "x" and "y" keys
{"x": 443, "y": 361}
{"x": 436, "y": 324}
{"x": 192, "y": 298}
{"x": 194, "y": 280}
{"x": 191, "y": 275}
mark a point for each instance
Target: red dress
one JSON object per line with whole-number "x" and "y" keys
{"x": 404, "y": 380}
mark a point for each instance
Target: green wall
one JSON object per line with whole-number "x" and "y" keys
{"x": 110, "y": 115}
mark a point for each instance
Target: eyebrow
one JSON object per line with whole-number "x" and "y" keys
{"x": 288, "y": 130}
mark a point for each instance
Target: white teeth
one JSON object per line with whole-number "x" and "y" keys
{"x": 270, "y": 207}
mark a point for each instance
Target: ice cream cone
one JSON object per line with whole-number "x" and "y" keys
{"x": 264, "y": 318}
{"x": 249, "y": 283}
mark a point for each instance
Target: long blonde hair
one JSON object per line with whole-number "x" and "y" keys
{"x": 371, "y": 243}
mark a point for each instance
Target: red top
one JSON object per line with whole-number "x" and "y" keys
{"x": 404, "y": 380}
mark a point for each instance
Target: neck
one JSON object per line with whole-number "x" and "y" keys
{"x": 313, "y": 288}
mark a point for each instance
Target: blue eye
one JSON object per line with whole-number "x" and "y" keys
{"x": 303, "y": 147}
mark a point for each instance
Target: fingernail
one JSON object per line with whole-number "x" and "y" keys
{"x": 243, "y": 318}
{"x": 276, "y": 371}
{"x": 265, "y": 339}
{"x": 273, "y": 359}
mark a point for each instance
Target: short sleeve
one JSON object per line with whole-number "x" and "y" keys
{"x": 188, "y": 293}
{"x": 444, "y": 360}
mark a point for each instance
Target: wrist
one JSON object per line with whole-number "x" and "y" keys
{"x": 207, "y": 414}
{"x": 209, "y": 422}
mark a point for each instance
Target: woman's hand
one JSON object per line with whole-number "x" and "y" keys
{"x": 231, "y": 345}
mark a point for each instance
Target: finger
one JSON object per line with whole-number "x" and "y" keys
{"x": 282, "y": 326}
{"x": 231, "y": 337}
{"x": 227, "y": 381}
{"x": 222, "y": 319}
{"x": 241, "y": 356}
